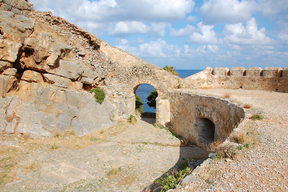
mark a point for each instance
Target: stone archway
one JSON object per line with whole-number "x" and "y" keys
{"x": 162, "y": 102}
{"x": 145, "y": 108}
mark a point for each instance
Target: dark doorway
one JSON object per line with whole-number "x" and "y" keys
{"x": 206, "y": 129}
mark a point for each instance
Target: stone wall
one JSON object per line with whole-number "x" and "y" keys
{"x": 203, "y": 120}
{"x": 272, "y": 79}
{"x": 48, "y": 66}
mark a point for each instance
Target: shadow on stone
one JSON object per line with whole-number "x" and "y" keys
{"x": 149, "y": 117}
{"x": 189, "y": 156}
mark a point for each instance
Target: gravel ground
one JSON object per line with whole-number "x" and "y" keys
{"x": 264, "y": 166}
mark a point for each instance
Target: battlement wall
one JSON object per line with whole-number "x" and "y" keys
{"x": 269, "y": 72}
{"x": 270, "y": 78}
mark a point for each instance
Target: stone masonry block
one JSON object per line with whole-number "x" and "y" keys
{"x": 253, "y": 71}
{"x": 237, "y": 71}
{"x": 221, "y": 71}
{"x": 271, "y": 72}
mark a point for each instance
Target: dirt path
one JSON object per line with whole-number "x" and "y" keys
{"x": 123, "y": 158}
{"x": 264, "y": 167}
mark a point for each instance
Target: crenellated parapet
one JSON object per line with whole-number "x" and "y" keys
{"x": 270, "y": 72}
{"x": 269, "y": 78}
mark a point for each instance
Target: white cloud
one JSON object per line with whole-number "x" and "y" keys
{"x": 227, "y": 11}
{"x": 249, "y": 34}
{"x": 111, "y": 10}
{"x": 206, "y": 34}
{"x": 158, "y": 48}
{"x": 159, "y": 28}
{"x": 129, "y": 27}
{"x": 271, "y": 7}
{"x": 187, "y": 30}
{"x": 123, "y": 17}
{"x": 210, "y": 48}
{"x": 191, "y": 18}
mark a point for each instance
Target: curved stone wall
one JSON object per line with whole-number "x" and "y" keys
{"x": 203, "y": 120}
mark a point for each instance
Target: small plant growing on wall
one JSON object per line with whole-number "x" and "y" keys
{"x": 99, "y": 94}
{"x": 171, "y": 69}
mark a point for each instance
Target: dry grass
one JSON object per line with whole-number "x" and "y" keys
{"x": 31, "y": 167}
{"x": 240, "y": 138}
{"x": 24, "y": 146}
{"x": 227, "y": 95}
{"x": 122, "y": 176}
{"x": 8, "y": 163}
{"x": 113, "y": 172}
{"x": 247, "y": 106}
{"x": 126, "y": 180}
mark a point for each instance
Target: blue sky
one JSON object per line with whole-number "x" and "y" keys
{"x": 187, "y": 34}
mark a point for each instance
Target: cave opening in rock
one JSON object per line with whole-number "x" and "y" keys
{"x": 206, "y": 129}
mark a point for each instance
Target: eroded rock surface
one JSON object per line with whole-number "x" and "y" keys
{"x": 48, "y": 66}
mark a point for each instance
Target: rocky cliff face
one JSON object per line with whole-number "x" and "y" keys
{"x": 48, "y": 66}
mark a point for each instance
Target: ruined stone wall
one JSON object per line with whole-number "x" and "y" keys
{"x": 272, "y": 79}
{"x": 191, "y": 114}
{"x": 48, "y": 66}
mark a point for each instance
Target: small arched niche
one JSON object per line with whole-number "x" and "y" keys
{"x": 145, "y": 102}
{"x": 206, "y": 129}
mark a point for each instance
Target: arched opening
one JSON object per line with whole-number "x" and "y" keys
{"x": 206, "y": 129}
{"x": 145, "y": 102}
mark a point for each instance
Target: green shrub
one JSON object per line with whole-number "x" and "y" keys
{"x": 138, "y": 104}
{"x": 171, "y": 69}
{"x": 99, "y": 94}
{"x": 132, "y": 119}
{"x": 151, "y": 99}
{"x": 257, "y": 117}
{"x": 244, "y": 146}
{"x": 173, "y": 179}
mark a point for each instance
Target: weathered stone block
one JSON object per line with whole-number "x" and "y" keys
{"x": 32, "y": 76}
{"x": 162, "y": 111}
{"x": 69, "y": 69}
{"x": 253, "y": 71}
{"x": 4, "y": 65}
{"x": 9, "y": 50}
{"x": 10, "y": 72}
{"x": 237, "y": 71}
{"x": 220, "y": 71}
{"x": 6, "y": 83}
{"x": 19, "y": 4}
{"x": 76, "y": 85}
{"x": 271, "y": 72}
{"x": 285, "y": 72}
{"x": 57, "y": 80}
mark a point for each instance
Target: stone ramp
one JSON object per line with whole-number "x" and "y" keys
{"x": 125, "y": 158}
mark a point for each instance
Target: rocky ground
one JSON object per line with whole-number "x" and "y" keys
{"x": 125, "y": 157}
{"x": 129, "y": 157}
{"x": 262, "y": 167}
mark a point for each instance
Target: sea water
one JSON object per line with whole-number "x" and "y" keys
{"x": 144, "y": 89}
